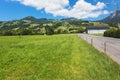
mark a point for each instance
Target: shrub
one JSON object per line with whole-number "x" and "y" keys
{"x": 7, "y": 33}
{"x": 61, "y": 30}
{"x": 118, "y": 33}
{"x": 49, "y": 30}
{"x": 23, "y": 32}
{"x": 113, "y": 32}
{"x": 76, "y": 30}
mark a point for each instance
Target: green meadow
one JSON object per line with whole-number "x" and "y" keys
{"x": 57, "y": 57}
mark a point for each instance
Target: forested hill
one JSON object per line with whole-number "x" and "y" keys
{"x": 32, "y": 25}
{"x": 32, "y": 22}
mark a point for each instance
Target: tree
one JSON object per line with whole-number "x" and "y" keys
{"x": 77, "y": 29}
{"x": 61, "y": 30}
{"x": 49, "y": 30}
{"x": 24, "y": 32}
{"x": 7, "y": 33}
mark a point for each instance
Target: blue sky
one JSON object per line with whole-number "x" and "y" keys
{"x": 56, "y": 9}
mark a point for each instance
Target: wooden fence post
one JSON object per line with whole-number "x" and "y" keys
{"x": 92, "y": 41}
{"x": 86, "y": 38}
{"x": 105, "y": 46}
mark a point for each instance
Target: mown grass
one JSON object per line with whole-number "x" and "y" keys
{"x": 58, "y": 57}
{"x": 98, "y": 34}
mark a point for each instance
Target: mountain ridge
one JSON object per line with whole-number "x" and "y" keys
{"x": 113, "y": 19}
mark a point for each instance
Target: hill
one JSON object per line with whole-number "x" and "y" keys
{"x": 43, "y": 25}
{"x": 26, "y": 22}
{"x": 38, "y": 25}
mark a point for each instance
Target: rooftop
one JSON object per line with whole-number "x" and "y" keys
{"x": 97, "y": 27}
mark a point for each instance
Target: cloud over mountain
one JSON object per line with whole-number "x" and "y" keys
{"x": 81, "y": 9}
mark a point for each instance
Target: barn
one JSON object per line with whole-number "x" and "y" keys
{"x": 96, "y": 29}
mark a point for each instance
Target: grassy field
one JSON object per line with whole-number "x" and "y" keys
{"x": 98, "y": 34}
{"x": 58, "y": 57}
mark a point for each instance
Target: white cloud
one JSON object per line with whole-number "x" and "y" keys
{"x": 81, "y": 9}
{"x": 100, "y": 5}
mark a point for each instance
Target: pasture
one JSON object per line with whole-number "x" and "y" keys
{"x": 57, "y": 57}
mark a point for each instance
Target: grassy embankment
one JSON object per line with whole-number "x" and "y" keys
{"x": 98, "y": 34}
{"x": 58, "y": 57}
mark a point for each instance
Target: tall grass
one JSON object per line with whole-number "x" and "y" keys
{"x": 58, "y": 57}
{"x": 97, "y": 34}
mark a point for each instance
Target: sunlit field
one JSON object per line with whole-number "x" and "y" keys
{"x": 57, "y": 57}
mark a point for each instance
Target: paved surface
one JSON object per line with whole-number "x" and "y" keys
{"x": 110, "y": 46}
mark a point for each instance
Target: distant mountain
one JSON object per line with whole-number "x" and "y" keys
{"x": 36, "y": 20}
{"x": 74, "y": 21}
{"x": 112, "y": 19}
{"x": 29, "y": 18}
{"x": 64, "y": 19}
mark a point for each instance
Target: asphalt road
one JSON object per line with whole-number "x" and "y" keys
{"x": 110, "y": 46}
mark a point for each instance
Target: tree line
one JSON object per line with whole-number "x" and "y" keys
{"x": 46, "y": 30}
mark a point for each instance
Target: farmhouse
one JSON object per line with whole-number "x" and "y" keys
{"x": 96, "y": 29}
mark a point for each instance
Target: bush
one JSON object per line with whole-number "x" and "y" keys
{"x": 23, "y": 32}
{"x": 61, "y": 30}
{"x": 7, "y": 33}
{"x": 26, "y": 32}
{"x": 49, "y": 30}
{"x": 118, "y": 33}
{"x": 113, "y": 32}
{"x": 0, "y": 33}
{"x": 76, "y": 30}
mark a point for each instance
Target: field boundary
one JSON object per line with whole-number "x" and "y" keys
{"x": 110, "y": 46}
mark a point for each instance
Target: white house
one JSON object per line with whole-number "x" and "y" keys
{"x": 96, "y": 29}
